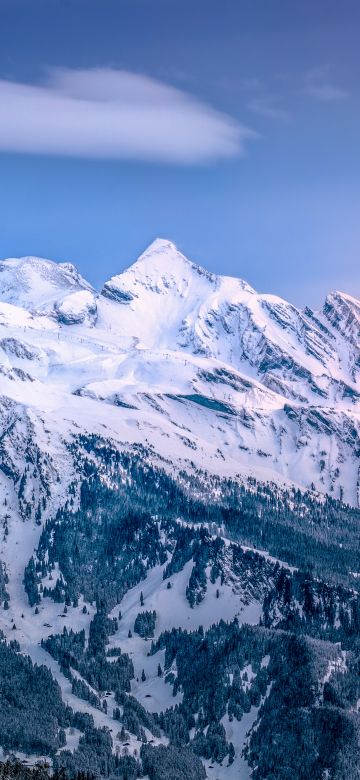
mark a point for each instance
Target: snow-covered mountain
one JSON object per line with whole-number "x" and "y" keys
{"x": 37, "y": 284}
{"x": 199, "y": 367}
{"x": 172, "y": 398}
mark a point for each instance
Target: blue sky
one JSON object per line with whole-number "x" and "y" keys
{"x": 229, "y": 127}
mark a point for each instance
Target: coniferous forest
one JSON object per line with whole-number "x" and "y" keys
{"x": 293, "y": 670}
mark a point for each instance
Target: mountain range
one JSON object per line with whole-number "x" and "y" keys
{"x": 179, "y": 471}
{"x": 199, "y": 366}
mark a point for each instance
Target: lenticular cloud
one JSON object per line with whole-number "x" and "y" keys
{"x": 113, "y": 114}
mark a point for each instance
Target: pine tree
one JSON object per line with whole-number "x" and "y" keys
{"x": 231, "y": 753}
{"x": 62, "y": 738}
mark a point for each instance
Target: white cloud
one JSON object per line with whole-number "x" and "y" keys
{"x": 114, "y": 114}
{"x": 268, "y": 107}
{"x": 318, "y": 85}
{"x": 325, "y": 92}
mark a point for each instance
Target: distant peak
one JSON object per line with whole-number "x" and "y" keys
{"x": 163, "y": 256}
{"x": 340, "y": 295}
{"x": 340, "y": 301}
{"x": 162, "y": 265}
{"x": 27, "y": 260}
{"x": 40, "y": 265}
{"x": 36, "y": 282}
{"x": 161, "y": 245}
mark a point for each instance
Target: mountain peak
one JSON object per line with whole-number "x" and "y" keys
{"x": 34, "y": 281}
{"x": 160, "y": 267}
{"x": 162, "y": 255}
{"x": 159, "y": 245}
{"x": 343, "y": 312}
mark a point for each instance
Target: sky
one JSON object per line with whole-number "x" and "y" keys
{"x": 230, "y": 127}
